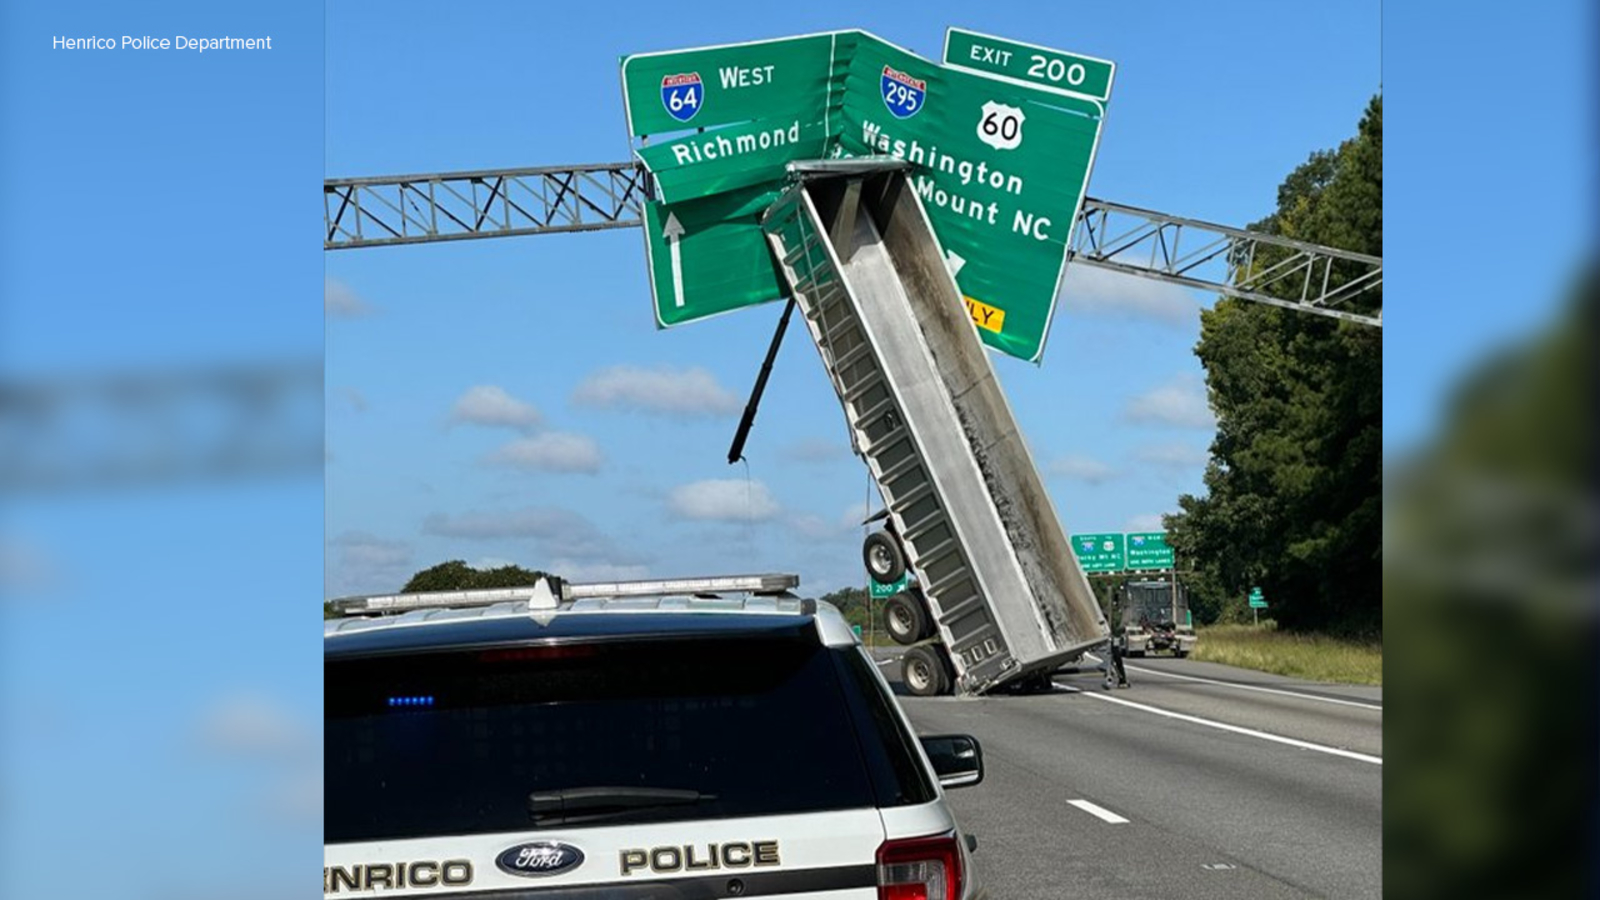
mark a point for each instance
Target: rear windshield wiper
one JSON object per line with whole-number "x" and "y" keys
{"x": 584, "y": 804}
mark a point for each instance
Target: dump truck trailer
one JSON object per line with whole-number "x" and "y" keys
{"x": 999, "y": 599}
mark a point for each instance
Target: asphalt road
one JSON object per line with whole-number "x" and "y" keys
{"x": 1233, "y": 784}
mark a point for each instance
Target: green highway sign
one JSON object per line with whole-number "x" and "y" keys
{"x": 730, "y": 116}
{"x": 1001, "y": 168}
{"x": 1149, "y": 550}
{"x": 884, "y": 591}
{"x": 709, "y": 256}
{"x": 1257, "y": 599}
{"x": 677, "y": 90}
{"x": 728, "y": 120}
{"x": 738, "y": 156}
{"x": 1029, "y": 63}
{"x": 1099, "y": 552}
{"x": 1000, "y": 163}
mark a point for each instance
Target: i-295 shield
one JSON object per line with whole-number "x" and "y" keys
{"x": 902, "y": 94}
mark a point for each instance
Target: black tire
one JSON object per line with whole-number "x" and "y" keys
{"x": 905, "y": 618}
{"x": 1179, "y": 653}
{"x": 923, "y": 671}
{"x": 885, "y": 561}
{"x": 1136, "y": 654}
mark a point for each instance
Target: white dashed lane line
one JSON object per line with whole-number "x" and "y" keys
{"x": 1099, "y": 812}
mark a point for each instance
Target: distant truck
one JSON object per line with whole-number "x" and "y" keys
{"x": 1153, "y": 616}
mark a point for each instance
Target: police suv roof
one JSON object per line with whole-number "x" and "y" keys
{"x": 514, "y": 622}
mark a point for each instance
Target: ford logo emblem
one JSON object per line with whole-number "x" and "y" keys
{"x": 539, "y": 858}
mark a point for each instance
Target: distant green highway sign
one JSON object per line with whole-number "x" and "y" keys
{"x": 1149, "y": 550}
{"x": 1099, "y": 552}
{"x": 884, "y": 591}
{"x": 1257, "y": 599}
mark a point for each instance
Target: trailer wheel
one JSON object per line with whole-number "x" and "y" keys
{"x": 924, "y": 672}
{"x": 886, "y": 563}
{"x": 905, "y": 618}
{"x": 1179, "y": 653}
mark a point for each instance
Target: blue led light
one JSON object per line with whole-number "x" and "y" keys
{"x": 411, "y": 701}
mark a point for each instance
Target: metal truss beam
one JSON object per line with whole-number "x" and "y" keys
{"x": 143, "y": 427}
{"x": 447, "y": 206}
{"x": 451, "y": 206}
{"x": 1259, "y": 267}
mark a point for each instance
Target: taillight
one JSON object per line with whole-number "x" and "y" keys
{"x": 925, "y": 868}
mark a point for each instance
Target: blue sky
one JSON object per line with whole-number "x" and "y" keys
{"x": 618, "y": 432}
{"x": 160, "y": 674}
{"x": 158, "y": 691}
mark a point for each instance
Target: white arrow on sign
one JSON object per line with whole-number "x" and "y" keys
{"x": 672, "y": 231}
{"x": 953, "y": 262}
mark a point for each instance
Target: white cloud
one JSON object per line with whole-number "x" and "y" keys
{"x": 1174, "y": 455}
{"x": 1180, "y": 402}
{"x": 815, "y": 528}
{"x": 359, "y": 548}
{"x": 254, "y": 725}
{"x": 1081, "y": 468}
{"x": 574, "y": 570}
{"x": 663, "y": 390}
{"x": 490, "y": 405}
{"x": 531, "y": 522}
{"x": 366, "y": 563}
{"x": 557, "y": 534}
{"x": 339, "y": 301}
{"x": 1088, "y": 290}
{"x": 854, "y": 514}
{"x": 552, "y": 452}
{"x": 816, "y": 450}
{"x": 1144, "y": 522}
{"x": 723, "y": 500}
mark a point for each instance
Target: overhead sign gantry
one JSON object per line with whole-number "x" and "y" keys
{"x": 1000, "y": 163}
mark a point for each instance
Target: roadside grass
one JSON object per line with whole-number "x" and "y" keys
{"x": 1312, "y": 657}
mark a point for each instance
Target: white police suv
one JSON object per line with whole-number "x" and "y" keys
{"x": 631, "y": 740}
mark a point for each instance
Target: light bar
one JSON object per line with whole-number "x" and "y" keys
{"x": 397, "y": 603}
{"x": 719, "y": 584}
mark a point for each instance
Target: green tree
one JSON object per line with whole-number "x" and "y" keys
{"x": 1293, "y": 497}
{"x": 1492, "y": 528}
{"x": 854, "y": 603}
{"x": 456, "y": 575}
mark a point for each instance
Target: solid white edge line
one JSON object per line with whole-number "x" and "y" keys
{"x": 1252, "y": 687}
{"x": 1248, "y": 732}
{"x": 1099, "y": 812}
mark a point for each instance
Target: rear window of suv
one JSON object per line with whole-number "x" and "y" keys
{"x": 455, "y": 742}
